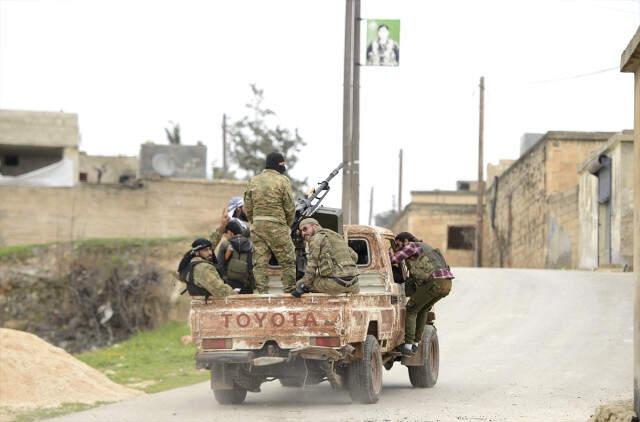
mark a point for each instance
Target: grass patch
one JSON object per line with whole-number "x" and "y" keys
{"x": 19, "y": 251}
{"x": 39, "y": 414}
{"x": 151, "y": 361}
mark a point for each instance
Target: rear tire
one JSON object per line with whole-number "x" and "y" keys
{"x": 426, "y": 376}
{"x": 365, "y": 375}
{"x": 234, "y": 396}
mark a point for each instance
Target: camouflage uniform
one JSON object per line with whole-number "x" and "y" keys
{"x": 329, "y": 257}
{"x": 429, "y": 290}
{"x": 206, "y": 276}
{"x": 268, "y": 203}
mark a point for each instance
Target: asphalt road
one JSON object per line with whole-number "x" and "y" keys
{"x": 516, "y": 345}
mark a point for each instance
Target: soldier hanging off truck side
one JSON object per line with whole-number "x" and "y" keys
{"x": 268, "y": 203}
{"x": 429, "y": 281}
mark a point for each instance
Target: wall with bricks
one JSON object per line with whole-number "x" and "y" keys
{"x": 38, "y": 129}
{"x": 531, "y": 218}
{"x": 158, "y": 209}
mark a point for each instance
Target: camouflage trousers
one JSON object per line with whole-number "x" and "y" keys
{"x": 329, "y": 286}
{"x": 426, "y": 295}
{"x": 270, "y": 237}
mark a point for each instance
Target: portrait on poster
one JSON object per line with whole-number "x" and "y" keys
{"x": 383, "y": 42}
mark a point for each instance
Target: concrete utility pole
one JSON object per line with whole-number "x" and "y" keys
{"x": 478, "y": 239}
{"x": 224, "y": 146}
{"x": 400, "y": 183}
{"x": 350, "y": 115}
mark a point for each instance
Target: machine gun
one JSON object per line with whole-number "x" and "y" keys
{"x": 305, "y": 207}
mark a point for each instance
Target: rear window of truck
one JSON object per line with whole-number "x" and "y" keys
{"x": 361, "y": 246}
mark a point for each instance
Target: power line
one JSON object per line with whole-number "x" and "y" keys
{"x": 578, "y": 76}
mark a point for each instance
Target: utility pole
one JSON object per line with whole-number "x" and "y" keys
{"x": 371, "y": 207}
{"x": 400, "y": 183}
{"x": 350, "y": 115}
{"x": 355, "y": 125}
{"x": 479, "y": 206}
{"x": 224, "y": 146}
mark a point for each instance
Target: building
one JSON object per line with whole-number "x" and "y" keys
{"x": 445, "y": 220}
{"x": 178, "y": 161}
{"x": 531, "y": 208}
{"x": 107, "y": 169}
{"x": 630, "y": 62}
{"x": 605, "y": 205}
{"x": 42, "y": 142}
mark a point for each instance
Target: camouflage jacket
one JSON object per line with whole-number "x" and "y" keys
{"x": 269, "y": 195}
{"x": 330, "y": 256}
{"x": 206, "y": 276}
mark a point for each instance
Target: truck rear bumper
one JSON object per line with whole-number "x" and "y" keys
{"x": 205, "y": 360}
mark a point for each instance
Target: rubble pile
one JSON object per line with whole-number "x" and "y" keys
{"x": 34, "y": 373}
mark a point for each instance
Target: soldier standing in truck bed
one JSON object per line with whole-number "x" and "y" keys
{"x": 268, "y": 203}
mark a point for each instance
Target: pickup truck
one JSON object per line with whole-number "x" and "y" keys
{"x": 246, "y": 340}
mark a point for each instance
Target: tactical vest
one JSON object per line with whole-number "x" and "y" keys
{"x": 337, "y": 261}
{"x": 429, "y": 261}
{"x": 186, "y": 276}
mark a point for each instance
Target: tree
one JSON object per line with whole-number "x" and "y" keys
{"x": 386, "y": 218}
{"x": 254, "y": 136}
{"x": 173, "y": 134}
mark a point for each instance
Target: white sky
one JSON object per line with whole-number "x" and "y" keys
{"x": 128, "y": 67}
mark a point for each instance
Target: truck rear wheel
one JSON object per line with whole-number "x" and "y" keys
{"x": 233, "y": 396}
{"x": 365, "y": 375}
{"x": 426, "y": 376}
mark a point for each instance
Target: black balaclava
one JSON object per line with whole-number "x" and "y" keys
{"x": 273, "y": 162}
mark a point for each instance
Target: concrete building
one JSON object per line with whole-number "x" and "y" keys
{"x": 445, "y": 220}
{"x": 107, "y": 169}
{"x": 630, "y": 62}
{"x": 31, "y": 141}
{"x": 605, "y": 205}
{"x": 531, "y": 218}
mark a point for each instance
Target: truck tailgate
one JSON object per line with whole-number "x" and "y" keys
{"x": 251, "y": 320}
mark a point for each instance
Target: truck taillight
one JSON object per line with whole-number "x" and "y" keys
{"x": 216, "y": 343}
{"x": 326, "y": 341}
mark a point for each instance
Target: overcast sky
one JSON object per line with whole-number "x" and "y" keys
{"x": 128, "y": 67}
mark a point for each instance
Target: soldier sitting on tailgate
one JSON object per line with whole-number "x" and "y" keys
{"x": 331, "y": 266}
{"x": 429, "y": 281}
{"x": 236, "y": 260}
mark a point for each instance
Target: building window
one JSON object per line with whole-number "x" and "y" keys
{"x": 461, "y": 237}
{"x": 11, "y": 160}
{"x": 83, "y": 177}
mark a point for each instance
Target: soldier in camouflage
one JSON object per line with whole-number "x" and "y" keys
{"x": 268, "y": 203}
{"x": 430, "y": 281}
{"x": 205, "y": 274}
{"x": 331, "y": 265}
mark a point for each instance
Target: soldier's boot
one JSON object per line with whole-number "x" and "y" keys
{"x": 407, "y": 350}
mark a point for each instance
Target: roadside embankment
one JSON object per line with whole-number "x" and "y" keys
{"x": 620, "y": 411}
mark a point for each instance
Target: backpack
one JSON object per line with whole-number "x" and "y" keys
{"x": 239, "y": 268}
{"x": 430, "y": 261}
{"x": 186, "y": 276}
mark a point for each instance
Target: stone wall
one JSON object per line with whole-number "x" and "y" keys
{"x": 162, "y": 208}
{"x": 516, "y": 214}
{"x": 563, "y": 230}
{"x": 38, "y": 129}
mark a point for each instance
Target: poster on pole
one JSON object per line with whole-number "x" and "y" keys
{"x": 383, "y": 42}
